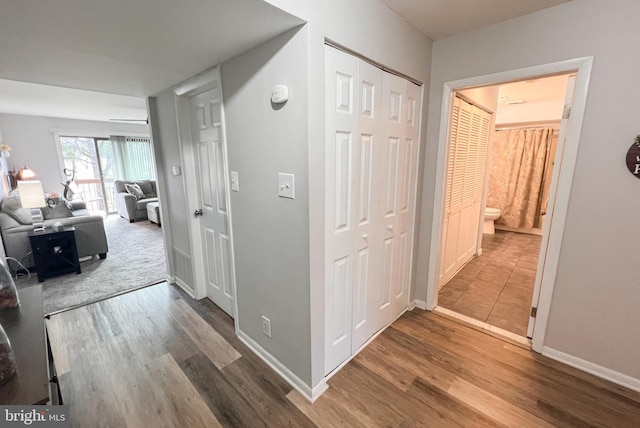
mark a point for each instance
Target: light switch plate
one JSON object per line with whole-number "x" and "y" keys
{"x": 286, "y": 185}
{"x": 235, "y": 184}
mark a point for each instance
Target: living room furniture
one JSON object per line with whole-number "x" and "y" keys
{"x": 55, "y": 252}
{"x": 15, "y": 225}
{"x": 153, "y": 212}
{"x": 128, "y": 205}
{"x": 32, "y": 198}
{"x": 35, "y": 381}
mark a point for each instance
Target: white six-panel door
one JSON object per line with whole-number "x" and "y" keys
{"x": 372, "y": 132}
{"x": 209, "y": 153}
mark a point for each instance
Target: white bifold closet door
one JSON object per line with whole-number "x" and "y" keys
{"x": 468, "y": 141}
{"x": 371, "y": 147}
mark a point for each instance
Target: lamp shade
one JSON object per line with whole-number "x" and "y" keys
{"x": 26, "y": 174}
{"x": 31, "y": 194}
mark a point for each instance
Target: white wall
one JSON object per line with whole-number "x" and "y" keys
{"x": 271, "y": 234}
{"x": 279, "y": 244}
{"x": 33, "y": 144}
{"x": 164, "y": 134}
{"x": 373, "y": 30}
{"x": 595, "y": 311}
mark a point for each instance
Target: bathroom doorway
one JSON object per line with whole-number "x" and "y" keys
{"x": 494, "y": 285}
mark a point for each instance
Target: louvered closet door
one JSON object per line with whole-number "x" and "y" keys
{"x": 468, "y": 139}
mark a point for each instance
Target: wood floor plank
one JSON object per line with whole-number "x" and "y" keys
{"x": 518, "y": 380}
{"x": 224, "y": 400}
{"x": 495, "y": 407}
{"x": 448, "y": 406}
{"x": 265, "y": 393}
{"x": 380, "y": 401}
{"x": 155, "y": 357}
{"x": 160, "y": 395}
{"x": 218, "y": 350}
{"x": 328, "y": 411}
{"x": 380, "y": 360}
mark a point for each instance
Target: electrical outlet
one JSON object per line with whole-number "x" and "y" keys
{"x": 266, "y": 326}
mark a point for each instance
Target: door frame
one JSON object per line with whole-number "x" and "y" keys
{"x": 561, "y": 187}
{"x": 182, "y": 93}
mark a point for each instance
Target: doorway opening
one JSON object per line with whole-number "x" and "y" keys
{"x": 536, "y": 253}
{"x": 493, "y": 281}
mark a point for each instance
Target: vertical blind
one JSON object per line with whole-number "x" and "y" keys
{"x": 138, "y": 160}
{"x": 135, "y": 157}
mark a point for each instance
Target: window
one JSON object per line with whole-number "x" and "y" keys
{"x": 97, "y": 162}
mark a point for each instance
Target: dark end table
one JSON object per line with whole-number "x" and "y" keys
{"x": 54, "y": 252}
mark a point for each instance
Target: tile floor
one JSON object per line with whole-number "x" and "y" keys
{"x": 497, "y": 286}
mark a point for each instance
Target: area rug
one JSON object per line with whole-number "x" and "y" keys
{"x": 136, "y": 258}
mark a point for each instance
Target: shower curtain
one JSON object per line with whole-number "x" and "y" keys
{"x": 518, "y": 170}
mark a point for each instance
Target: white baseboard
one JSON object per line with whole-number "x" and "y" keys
{"x": 592, "y": 368}
{"x": 420, "y": 304}
{"x": 311, "y": 394}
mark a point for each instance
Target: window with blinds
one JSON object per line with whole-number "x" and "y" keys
{"x": 137, "y": 159}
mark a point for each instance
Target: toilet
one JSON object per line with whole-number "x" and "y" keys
{"x": 490, "y": 215}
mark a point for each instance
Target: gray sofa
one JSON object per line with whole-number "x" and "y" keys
{"x": 15, "y": 224}
{"x": 130, "y": 207}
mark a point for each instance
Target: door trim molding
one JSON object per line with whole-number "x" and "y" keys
{"x": 210, "y": 79}
{"x": 555, "y": 227}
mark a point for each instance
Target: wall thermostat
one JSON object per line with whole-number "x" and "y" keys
{"x": 279, "y": 94}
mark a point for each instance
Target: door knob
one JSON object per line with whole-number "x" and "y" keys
{"x": 197, "y": 213}
{"x": 365, "y": 236}
{"x": 390, "y": 227}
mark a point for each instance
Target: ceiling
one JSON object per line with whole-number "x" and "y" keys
{"x": 128, "y": 50}
{"x": 131, "y": 48}
{"x": 43, "y": 100}
{"x": 438, "y": 19}
{"x": 534, "y": 91}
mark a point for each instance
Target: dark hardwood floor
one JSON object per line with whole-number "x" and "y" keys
{"x": 155, "y": 357}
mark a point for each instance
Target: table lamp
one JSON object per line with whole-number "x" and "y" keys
{"x": 32, "y": 198}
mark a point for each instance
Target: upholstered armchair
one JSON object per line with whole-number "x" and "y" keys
{"x": 133, "y": 206}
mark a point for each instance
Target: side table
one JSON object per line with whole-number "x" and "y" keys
{"x": 54, "y": 252}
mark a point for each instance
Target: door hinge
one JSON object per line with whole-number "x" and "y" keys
{"x": 566, "y": 112}
{"x": 534, "y": 312}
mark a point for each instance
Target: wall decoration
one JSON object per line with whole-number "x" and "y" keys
{"x": 633, "y": 157}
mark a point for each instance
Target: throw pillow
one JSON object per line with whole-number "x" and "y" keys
{"x": 55, "y": 211}
{"x": 11, "y": 205}
{"x": 135, "y": 190}
{"x": 146, "y": 186}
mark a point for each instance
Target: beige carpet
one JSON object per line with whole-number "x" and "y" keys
{"x": 136, "y": 258}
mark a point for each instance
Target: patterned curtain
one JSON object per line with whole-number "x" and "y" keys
{"x": 518, "y": 170}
